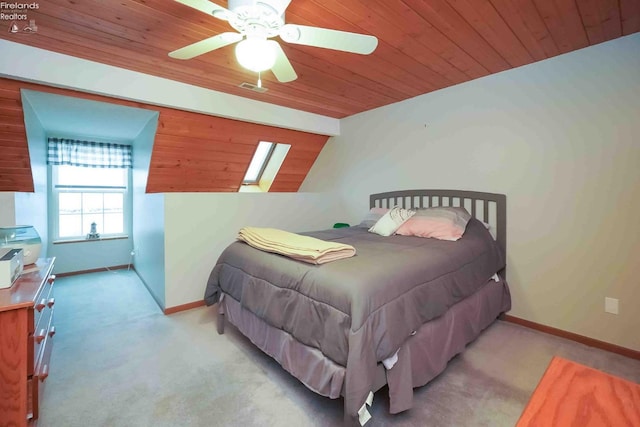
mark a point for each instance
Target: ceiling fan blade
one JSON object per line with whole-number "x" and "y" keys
{"x": 209, "y": 8}
{"x": 206, "y": 45}
{"x": 282, "y": 69}
{"x": 328, "y": 39}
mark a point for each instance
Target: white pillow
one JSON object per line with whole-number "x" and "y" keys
{"x": 391, "y": 221}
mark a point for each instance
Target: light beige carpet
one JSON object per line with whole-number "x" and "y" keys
{"x": 118, "y": 361}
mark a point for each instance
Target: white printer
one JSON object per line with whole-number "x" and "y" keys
{"x": 11, "y": 263}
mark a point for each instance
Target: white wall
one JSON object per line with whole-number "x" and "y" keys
{"x": 88, "y": 255}
{"x": 7, "y": 209}
{"x": 199, "y": 226}
{"x": 560, "y": 139}
{"x": 31, "y": 208}
{"x": 149, "y": 241}
{"x": 148, "y": 218}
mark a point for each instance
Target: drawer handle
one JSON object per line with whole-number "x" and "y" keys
{"x": 44, "y": 373}
{"x": 41, "y": 335}
{"x": 52, "y": 331}
{"x": 51, "y": 302}
{"x": 51, "y": 279}
{"x": 42, "y": 304}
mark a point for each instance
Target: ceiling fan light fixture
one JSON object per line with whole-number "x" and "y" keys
{"x": 258, "y": 22}
{"x": 256, "y": 54}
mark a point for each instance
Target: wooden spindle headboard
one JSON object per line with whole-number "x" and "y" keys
{"x": 490, "y": 208}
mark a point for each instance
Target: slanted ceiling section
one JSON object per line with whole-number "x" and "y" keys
{"x": 15, "y": 166}
{"x": 192, "y": 152}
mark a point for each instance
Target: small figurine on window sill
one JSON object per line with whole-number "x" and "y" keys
{"x": 93, "y": 233}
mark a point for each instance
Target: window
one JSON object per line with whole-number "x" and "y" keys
{"x": 259, "y": 163}
{"x": 83, "y": 196}
{"x": 90, "y": 184}
{"x": 264, "y": 167}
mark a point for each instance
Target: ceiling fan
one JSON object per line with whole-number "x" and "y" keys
{"x": 256, "y": 22}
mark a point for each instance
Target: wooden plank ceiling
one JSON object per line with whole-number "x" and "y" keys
{"x": 424, "y": 45}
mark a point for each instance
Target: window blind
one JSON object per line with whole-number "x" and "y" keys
{"x": 71, "y": 152}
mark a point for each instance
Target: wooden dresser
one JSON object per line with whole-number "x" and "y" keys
{"x": 26, "y": 339}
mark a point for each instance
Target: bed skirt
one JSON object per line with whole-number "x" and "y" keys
{"x": 421, "y": 358}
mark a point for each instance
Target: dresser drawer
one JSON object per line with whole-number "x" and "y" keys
{"x": 44, "y": 330}
{"x": 42, "y": 300}
{"x": 40, "y": 375}
{"x": 43, "y": 315}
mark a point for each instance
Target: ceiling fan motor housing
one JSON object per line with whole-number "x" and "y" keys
{"x": 258, "y": 18}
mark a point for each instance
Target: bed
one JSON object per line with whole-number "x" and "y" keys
{"x": 394, "y": 314}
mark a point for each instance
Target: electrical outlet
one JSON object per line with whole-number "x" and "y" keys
{"x": 611, "y": 305}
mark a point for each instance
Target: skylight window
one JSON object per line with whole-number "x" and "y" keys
{"x": 264, "y": 167}
{"x": 259, "y": 163}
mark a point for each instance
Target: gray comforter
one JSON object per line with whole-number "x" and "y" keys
{"x": 358, "y": 311}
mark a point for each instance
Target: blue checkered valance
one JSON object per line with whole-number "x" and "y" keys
{"x": 71, "y": 152}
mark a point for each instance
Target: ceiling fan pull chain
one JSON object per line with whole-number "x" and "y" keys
{"x": 259, "y": 80}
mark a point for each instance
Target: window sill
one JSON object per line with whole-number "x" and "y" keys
{"x": 101, "y": 239}
{"x": 250, "y": 188}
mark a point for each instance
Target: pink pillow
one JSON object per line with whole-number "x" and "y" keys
{"x": 446, "y": 223}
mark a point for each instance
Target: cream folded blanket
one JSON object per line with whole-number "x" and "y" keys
{"x": 301, "y": 248}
